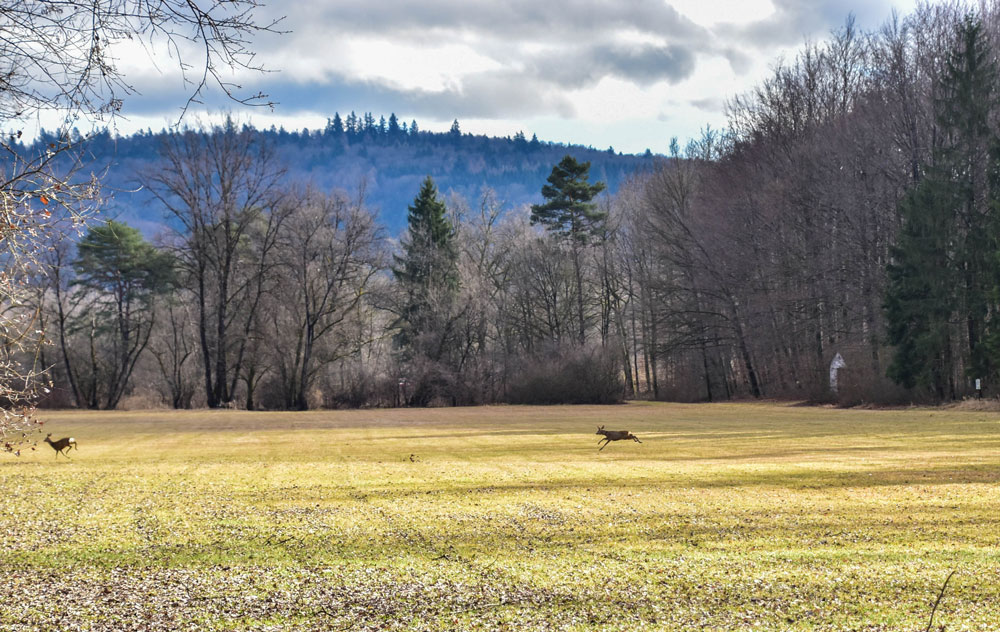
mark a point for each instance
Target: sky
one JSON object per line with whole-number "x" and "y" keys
{"x": 629, "y": 74}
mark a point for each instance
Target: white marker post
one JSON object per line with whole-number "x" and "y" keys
{"x": 835, "y": 366}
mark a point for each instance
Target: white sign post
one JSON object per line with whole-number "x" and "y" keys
{"x": 837, "y": 364}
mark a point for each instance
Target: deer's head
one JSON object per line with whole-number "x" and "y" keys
{"x": 599, "y": 429}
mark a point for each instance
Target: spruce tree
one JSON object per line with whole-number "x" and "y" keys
{"x": 427, "y": 268}
{"x": 945, "y": 266}
{"x": 427, "y": 272}
{"x": 337, "y": 126}
{"x": 921, "y": 290}
{"x": 968, "y": 96}
{"x": 351, "y": 125}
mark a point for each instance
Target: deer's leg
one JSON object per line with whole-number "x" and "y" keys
{"x": 636, "y": 439}
{"x": 605, "y": 445}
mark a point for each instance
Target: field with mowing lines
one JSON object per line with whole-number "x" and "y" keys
{"x": 726, "y": 517}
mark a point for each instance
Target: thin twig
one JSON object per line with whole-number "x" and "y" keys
{"x": 940, "y": 595}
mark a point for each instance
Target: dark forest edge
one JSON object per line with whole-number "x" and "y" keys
{"x": 851, "y": 207}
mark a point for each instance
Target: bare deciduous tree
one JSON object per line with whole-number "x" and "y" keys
{"x": 222, "y": 190}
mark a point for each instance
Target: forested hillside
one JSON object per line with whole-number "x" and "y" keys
{"x": 389, "y": 159}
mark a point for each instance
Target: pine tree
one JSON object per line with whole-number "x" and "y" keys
{"x": 569, "y": 210}
{"x": 337, "y": 127}
{"x": 571, "y": 214}
{"x": 414, "y": 130}
{"x": 123, "y": 275}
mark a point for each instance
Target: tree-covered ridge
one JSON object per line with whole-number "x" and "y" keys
{"x": 389, "y": 157}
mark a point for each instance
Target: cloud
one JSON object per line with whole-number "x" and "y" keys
{"x": 708, "y": 104}
{"x": 794, "y": 21}
{"x": 481, "y": 95}
{"x": 585, "y": 66}
{"x": 513, "y": 20}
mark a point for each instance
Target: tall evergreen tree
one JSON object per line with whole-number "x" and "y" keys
{"x": 968, "y": 97}
{"x": 394, "y": 131}
{"x": 945, "y": 263}
{"x": 427, "y": 271}
{"x": 337, "y": 126}
{"x": 921, "y": 291}
{"x": 352, "y": 125}
{"x": 570, "y": 213}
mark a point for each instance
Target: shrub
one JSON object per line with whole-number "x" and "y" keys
{"x": 567, "y": 375}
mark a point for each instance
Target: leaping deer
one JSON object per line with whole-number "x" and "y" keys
{"x": 615, "y": 435}
{"x": 66, "y": 443}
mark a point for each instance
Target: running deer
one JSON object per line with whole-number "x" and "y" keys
{"x": 615, "y": 435}
{"x": 66, "y": 443}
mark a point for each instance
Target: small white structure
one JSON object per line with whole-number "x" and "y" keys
{"x": 837, "y": 364}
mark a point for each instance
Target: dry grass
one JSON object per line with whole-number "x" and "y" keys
{"x": 726, "y": 517}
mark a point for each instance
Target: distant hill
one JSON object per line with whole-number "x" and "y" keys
{"x": 392, "y": 158}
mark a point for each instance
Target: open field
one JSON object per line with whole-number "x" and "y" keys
{"x": 727, "y": 517}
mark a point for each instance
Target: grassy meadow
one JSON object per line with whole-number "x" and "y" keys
{"x": 726, "y": 517}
